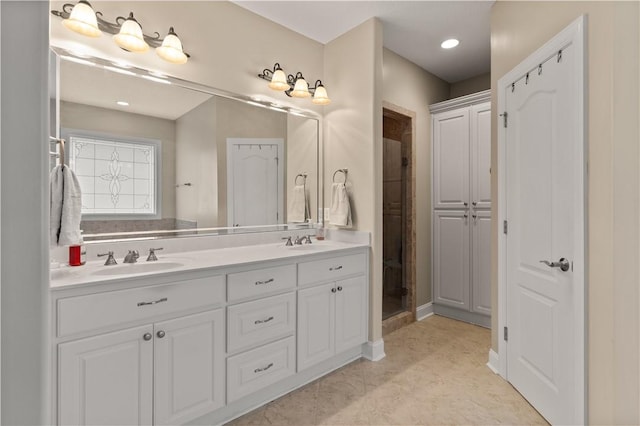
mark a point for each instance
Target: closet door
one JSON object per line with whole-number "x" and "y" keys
{"x": 451, "y": 258}
{"x": 481, "y": 156}
{"x": 451, "y": 159}
{"x": 481, "y": 262}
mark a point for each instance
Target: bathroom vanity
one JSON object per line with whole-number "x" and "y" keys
{"x": 203, "y": 336}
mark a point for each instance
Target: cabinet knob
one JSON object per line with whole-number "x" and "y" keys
{"x": 160, "y": 334}
{"x": 147, "y": 336}
{"x": 465, "y": 203}
{"x": 339, "y": 288}
{"x": 474, "y": 203}
{"x": 333, "y": 290}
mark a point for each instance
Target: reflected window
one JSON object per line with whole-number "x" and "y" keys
{"x": 118, "y": 177}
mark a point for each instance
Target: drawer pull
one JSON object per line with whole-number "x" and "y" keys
{"x": 263, "y": 321}
{"x": 339, "y": 288}
{"x": 164, "y": 299}
{"x": 335, "y": 268}
{"x": 258, "y": 370}
{"x": 270, "y": 280}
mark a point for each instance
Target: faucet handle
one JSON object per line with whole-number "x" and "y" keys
{"x": 152, "y": 254}
{"x": 298, "y": 240}
{"x": 110, "y": 260}
{"x": 288, "y": 243}
{"x": 307, "y": 239}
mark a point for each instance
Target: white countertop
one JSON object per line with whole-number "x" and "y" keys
{"x": 96, "y": 272}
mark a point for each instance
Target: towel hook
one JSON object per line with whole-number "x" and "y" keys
{"x": 61, "y": 143}
{"x": 343, "y": 171}
{"x": 303, "y": 176}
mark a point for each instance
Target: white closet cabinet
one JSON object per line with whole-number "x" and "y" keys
{"x": 164, "y": 373}
{"x": 461, "y": 195}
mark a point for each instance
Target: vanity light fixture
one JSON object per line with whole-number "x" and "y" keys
{"x": 295, "y": 86}
{"x": 127, "y": 32}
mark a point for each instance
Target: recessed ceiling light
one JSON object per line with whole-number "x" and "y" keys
{"x": 448, "y": 44}
{"x": 123, "y": 103}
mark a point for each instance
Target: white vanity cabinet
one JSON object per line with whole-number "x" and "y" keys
{"x": 332, "y": 311}
{"x": 164, "y": 372}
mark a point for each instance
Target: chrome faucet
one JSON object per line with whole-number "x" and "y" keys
{"x": 299, "y": 240}
{"x": 307, "y": 239}
{"x": 110, "y": 259}
{"x": 131, "y": 257}
{"x": 288, "y": 243}
{"x": 152, "y": 254}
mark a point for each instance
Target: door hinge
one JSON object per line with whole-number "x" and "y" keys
{"x": 506, "y": 334}
{"x": 504, "y": 116}
{"x": 504, "y": 227}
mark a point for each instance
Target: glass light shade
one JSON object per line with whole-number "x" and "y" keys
{"x": 82, "y": 20}
{"x": 130, "y": 37}
{"x": 301, "y": 89}
{"x": 279, "y": 81}
{"x": 171, "y": 49}
{"x": 320, "y": 97}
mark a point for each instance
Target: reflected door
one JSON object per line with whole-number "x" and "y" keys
{"x": 255, "y": 182}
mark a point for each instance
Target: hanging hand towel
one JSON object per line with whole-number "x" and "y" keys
{"x": 299, "y": 209}
{"x": 66, "y": 206}
{"x": 340, "y": 212}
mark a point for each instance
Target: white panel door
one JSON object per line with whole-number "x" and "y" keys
{"x": 451, "y": 159}
{"x": 255, "y": 186}
{"x": 481, "y": 262}
{"x": 481, "y": 155}
{"x": 107, "y": 379}
{"x": 316, "y": 324}
{"x": 451, "y": 258}
{"x": 351, "y": 313}
{"x": 544, "y": 210}
{"x": 189, "y": 367}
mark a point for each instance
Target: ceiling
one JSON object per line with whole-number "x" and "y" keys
{"x": 412, "y": 29}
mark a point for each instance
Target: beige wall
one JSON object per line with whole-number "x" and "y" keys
{"x": 117, "y": 123}
{"x": 302, "y": 157}
{"x": 518, "y": 29}
{"x": 470, "y": 85}
{"x": 353, "y": 139}
{"x": 410, "y": 87}
{"x": 196, "y": 158}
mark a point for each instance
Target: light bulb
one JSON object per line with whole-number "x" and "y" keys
{"x": 279, "y": 80}
{"x": 301, "y": 88}
{"x": 130, "y": 37}
{"x": 82, "y": 20}
{"x": 171, "y": 49}
{"x": 320, "y": 97}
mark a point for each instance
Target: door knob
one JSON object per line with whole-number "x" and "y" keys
{"x": 563, "y": 264}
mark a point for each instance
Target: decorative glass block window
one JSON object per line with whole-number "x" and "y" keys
{"x": 117, "y": 177}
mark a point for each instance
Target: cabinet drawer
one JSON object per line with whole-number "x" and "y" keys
{"x": 256, "y": 369}
{"x": 243, "y": 285}
{"x": 331, "y": 269}
{"x": 254, "y": 323}
{"x": 95, "y": 311}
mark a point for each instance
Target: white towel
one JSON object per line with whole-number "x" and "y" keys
{"x": 299, "y": 208}
{"x": 66, "y": 206}
{"x": 340, "y": 212}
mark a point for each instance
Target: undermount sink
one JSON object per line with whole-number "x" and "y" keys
{"x": 137, "y": 268}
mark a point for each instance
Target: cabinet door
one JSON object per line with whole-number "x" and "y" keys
{"x": 316, "y": 324}
{"x": 451, "y": 258}
{"x": 351, "y": 313}
{"x": 481, "y": 155}
{"x": 451, "y": 159}
{"x": 481, "y": 263}
{"x": 107, "y": 379}
{"x": 189, "y": 367}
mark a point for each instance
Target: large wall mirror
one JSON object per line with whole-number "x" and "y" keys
{"x": 157, "y": 156}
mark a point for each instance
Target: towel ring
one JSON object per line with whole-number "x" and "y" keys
{"x": 343, "y": 171}
{"x": 303, "y": 176}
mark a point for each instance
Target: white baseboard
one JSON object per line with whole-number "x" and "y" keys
{"x": 373, "y": 351}
{"x": 424, "y": 311}
{"x": 494, "y": 361}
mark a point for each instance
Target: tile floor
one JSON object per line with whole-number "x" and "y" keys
{"x": 434, "y": 373}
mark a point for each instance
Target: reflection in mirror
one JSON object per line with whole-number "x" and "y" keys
{"x": 159, "y": 154}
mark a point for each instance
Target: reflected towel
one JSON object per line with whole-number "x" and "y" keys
{"x": 299, "y": 208}
{"x": 340, "y": 212}
{"x": 66, "y": 207}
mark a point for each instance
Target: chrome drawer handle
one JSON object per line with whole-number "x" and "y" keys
{"x": 335, "y": 268}
{"x": 257, "y": 370}
{"x": 270, "y": 280}
{"x": 263, "y": 321}
{"x": 164, "y": 299}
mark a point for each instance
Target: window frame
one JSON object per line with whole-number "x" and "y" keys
{"x": 68, "y": 133}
